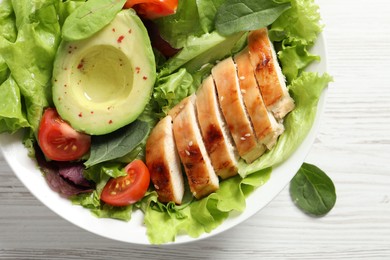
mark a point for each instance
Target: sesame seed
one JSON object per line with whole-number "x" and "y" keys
{"x": 243, "y": 91}
{"x": 242, "y": 78}
{"x": 243, "y": 138}
{"x": 187, "y": 152}
{"x": 248, "y": 134}
{"x": 190, "y": 143}
{"x": 221, "y": 98}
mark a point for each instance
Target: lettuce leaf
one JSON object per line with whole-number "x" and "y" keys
{"x": 29, "y": 36}
{"x": 300, "y": 23}
{"x": 294, "y": 58}
{"x": 164, "y": 223}
{"x": 30, "y": 57}
{"x": 207, "y": 10}
{"x": 306, "y": 91}
{"x": 200, "y": 51}
{"x": 11, "y": 113}
{"x": 176, "y": 28}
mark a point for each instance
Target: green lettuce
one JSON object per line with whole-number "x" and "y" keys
{"x": 177, "y": 27}
{"x": 300, "y": 23}
{"x": 29, "y": 37}
{"x": 165, "y": 222}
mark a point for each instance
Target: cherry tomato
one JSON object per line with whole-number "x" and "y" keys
{"x": 126, "y": 190}
{"x": 58, "y": 140}
{"x": 152, "y": 9}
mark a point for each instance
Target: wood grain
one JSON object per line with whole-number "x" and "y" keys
{"x": 352, "y": 146}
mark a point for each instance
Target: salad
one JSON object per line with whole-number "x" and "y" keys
{"x": 178, "y": 44}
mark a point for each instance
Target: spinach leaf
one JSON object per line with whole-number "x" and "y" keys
{"x": 312, "y": 190}
{"x": 90, "y": 18}
{"x": 244, "y": 15}
{"x": 117, "y": 144}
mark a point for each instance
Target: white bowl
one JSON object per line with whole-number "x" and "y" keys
{"x": 134, "y": 231}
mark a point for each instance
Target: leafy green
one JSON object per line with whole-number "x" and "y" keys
{"x": 294, "y": 59}
{"x": 30, "y": 57}
{"x": 306, "y": 91}
{"x": 300, "y": 23}
{"x": 100, "y": 174}
{"x": 165, "y": 223}
{"x": 90, "y": 18}
{"x": 245, "y": 15}
{"x": 171, "y": 89}
{"x": 117, "y": 144}
{"x": 185, "y": 22}
{"x": 11, "y": 114}
{"x": 207, "y": 10}
{"x": 312, "y": 190}
{"x": 200, "y": 51}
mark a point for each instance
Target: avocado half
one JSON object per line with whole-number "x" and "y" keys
{"x": 103, "y": 83}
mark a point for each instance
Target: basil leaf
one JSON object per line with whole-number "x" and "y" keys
{"x": 90, "y": 18}
{"x": 117, "y": 144}
{"x": 312, "y": 190}
{"x": 244, "y": 15}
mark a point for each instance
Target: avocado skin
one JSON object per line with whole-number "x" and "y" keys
{"x": 103, "y": 83}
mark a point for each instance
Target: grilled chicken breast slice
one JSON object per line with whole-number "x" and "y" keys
{"x": 163, "y": 162}
{"x": 269, "y": 74}
{"x": 214, "y": 131}
{"x": 233, "y": 109}
{"x": 267, "y": 129}
{"x": 192, "y": 152}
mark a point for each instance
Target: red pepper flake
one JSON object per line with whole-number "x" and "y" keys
{"x": 91, "y": 112}
{"x": 110, "y": 122}
{"x": 81, "y": 114}
{"x": 120, "y": 39}
{"x": 137, "y": 70}
{"x": 145, "y": 78}
{"x": 81, "y": 64}
{"x": 113, "y": 29}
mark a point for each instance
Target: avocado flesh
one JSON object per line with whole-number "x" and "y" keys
{"x": 103, "y": 83}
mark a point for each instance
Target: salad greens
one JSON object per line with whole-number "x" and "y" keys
{"x": 90, "y": 18}
{"x": 117, "y": 144}
{"x": 245, "y": 15}
{"x": 312, "y": 190}
{"x": 30, "y": 32}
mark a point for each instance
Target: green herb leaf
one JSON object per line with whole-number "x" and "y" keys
{"x": 312, "y": 190}
{"x": 244, "y": 15}
{"x": 90, "y": 18}
{"x": 117, "y": 144}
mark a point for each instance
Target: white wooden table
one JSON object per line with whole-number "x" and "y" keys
{"x": 353, "y": 147}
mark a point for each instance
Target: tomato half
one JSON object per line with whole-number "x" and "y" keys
{"x": 152, "y": 9}
{"x": 126, "y": 190}
{"x": 58, "y": 140}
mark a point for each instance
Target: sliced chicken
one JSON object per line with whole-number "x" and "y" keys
{"x": 267, "y": 129}
{"x": 192, "y": 151}
{"x": 215, "y": 134}
{"x": 269, "y": 74}
{"x": 233, "y": 109}
{"x": 163, "y": 162}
